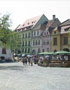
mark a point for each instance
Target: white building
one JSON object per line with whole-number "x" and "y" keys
{"x": 5, "y": 53}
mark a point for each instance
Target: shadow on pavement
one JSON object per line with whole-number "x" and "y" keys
{"x": 11, "y": 67}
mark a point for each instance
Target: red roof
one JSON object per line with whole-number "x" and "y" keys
{"x": 30, "y": 23}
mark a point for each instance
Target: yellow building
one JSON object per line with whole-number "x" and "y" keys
{"x": 61, "y": 37}
{"x": 55, "y": 43}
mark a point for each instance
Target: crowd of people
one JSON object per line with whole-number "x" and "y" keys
{"x": 29, "y": 60}
{"x": 40, "y": 59}
{"x": 35, "y": 60}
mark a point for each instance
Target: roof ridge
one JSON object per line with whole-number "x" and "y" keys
{"x": 64, "y": 21}
{"x": 32, "y": 18}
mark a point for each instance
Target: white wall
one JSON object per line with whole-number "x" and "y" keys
{"x": 7, "y": 55}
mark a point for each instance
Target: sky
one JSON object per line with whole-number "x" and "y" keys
{"x": 21, "y": 10}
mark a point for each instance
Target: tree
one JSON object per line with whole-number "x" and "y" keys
{"x": 5, "y": 22}
{"x": 9, "y": 38}
{"x": 14, "y": 41}
{"x": 4, "y": 28}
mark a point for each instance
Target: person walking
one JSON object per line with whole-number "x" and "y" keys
{"x": 31, "y": 61}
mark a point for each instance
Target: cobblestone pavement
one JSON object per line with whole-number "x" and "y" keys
{"x": 15, "y": 76}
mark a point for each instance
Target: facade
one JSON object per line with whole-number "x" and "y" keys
{"x": 42, "y": 36}
{"x": 26, "y": 41}
{"x": 47, "y": 34}
{"x": 36, "y": 40}
{"x": 60, "y": 37}
{"x": 5, "y": 53}
{"x": 36, "y": 34}
{"x": 56, "y": 43}
{"x": 27, "y": 31}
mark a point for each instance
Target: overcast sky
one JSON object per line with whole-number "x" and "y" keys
{"x": 21, "y": 10}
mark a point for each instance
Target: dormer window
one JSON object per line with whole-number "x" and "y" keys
{"x": 28, "y": 23}
{"x": 32, "y": 22}
{"x": 55, "y": 32}
{"x": 66, "y": 29}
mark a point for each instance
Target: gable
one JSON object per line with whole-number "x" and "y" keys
{"x": 42, "y": 20}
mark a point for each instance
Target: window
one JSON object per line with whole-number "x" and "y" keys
{"x": 55, "y": 41}
{"x": 38, "y": 33}
{"x": 47, "y": 49}
{"x": 44, "y": 43}
{"x": 23, "y": 35}
{"x": 34, "y": 33}
{"x": 3, "y": 50}
{"x": 26, "y": 43}
{"x": 55, "y": 32}
{"x": 44, "y": 33}
{"x": 47, "y": 42}
{"x": 65, "y": 40}
{"x": 39, "y": 50}
{"x": 66, "y": 29}
{"x": 23, "y": 43}
{"x": 28, "y": 50}
{"x": 26, "y": 35}
{"x": 38, "y": 42}
{"x": 29, "y": 43}
{"x": 23, "y": 24}
{"x": 47, "y": 33}
{"x": 29, "y": 35}
{"x": 28, "y": 23}
{"x": 33, "y": 42}
{"x": 32, "y": 22}
{"x": 23, "y": 50}
{"x": 42, "y": 50}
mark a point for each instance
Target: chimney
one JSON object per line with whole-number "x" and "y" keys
{"x": 54, "y": 17}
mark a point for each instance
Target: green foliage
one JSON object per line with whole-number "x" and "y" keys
{"x": 5, "y": 22}
{"x": 8, "y": 38}
{"x": 14, "y": 41}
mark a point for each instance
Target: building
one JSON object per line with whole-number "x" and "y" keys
{"x": 5, "y": 53}
{"x": 37, "y": 39}
{"x": 47, "y": 33}
{"x": 61, "y": 36}
{"x": 27, "y": 31}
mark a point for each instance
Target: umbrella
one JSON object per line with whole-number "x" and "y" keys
{"x": 61, "y": 52}
{"x": 68, "y": 53}
{"x": 23, "y": 55}
{"x": 47, "y": 56}
{"x": 46, "y": 53}
{"x": 29, "y": 55}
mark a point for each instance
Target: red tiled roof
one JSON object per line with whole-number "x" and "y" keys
{"x": 30, "y": 23}
{"x": 19, "y": 26}
{"x": 50, "y": 22}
